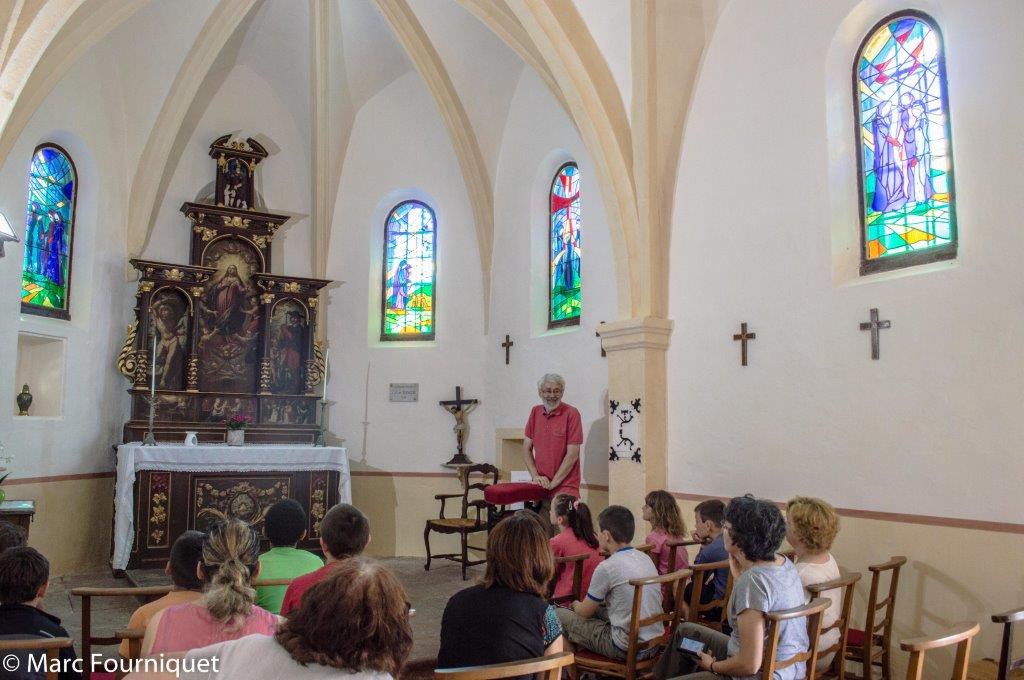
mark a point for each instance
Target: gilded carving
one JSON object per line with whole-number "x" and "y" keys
{"x": 126, "y": 359}
{"x": 192, "y": 374}
{"x": 197, "y": 291}
{"x": 313, "y": 302}
{"x": 235, "y": 221}
{"x": 141, "y": 368}
{"x": 267, "y": 298}
{"x": 265, "y": 375}
{"x": 315, "y": 366}
{"x": 317, "y": 503}
{"x": 145, "y": 286}
{"x": 260, "y": 241}
{"x": 159, "y": 497}
{"x": 291, "y": 287}
{"x": 175, "y": 274}
{"x": 206, "y": 233}
{"x": 218, "y": 499}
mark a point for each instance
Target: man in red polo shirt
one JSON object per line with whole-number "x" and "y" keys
{"x": 554, "y": 433}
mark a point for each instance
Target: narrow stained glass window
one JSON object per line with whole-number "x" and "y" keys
{"x": 903, "y": 131}
{"x": 409, "y": 277}
{"x": 564, "y": 248}
{"x": 49, "y": 226}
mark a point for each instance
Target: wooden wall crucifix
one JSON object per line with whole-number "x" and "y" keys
{"x": 508, "y": 346}
{"x": 743, "y": 336}
{"x": 874, "y": 325}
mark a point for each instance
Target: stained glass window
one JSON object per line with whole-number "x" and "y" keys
{"x": 564, "y": 248}
{"x": 906, "y": 166}
{"x": 49, "y": 223}
{"x": 409, "y": 276}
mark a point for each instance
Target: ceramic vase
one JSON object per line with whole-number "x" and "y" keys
{"x": 236, "y": 437}
{"x": 24, "y": 400}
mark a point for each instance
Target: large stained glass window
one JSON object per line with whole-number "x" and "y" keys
{"x": 409, "y": 256}
{"x": 49, "y": 227}
{"x": 564, "y": 248}
{"x": 906, "y": 165}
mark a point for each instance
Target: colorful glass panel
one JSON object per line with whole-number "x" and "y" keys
{"x": 906, "y": 164}
{"x": 564, "y": 248}
{"x": 49, "y": 220}
{"x": 409, "y": 276}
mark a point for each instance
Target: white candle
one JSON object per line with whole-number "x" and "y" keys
{"x": 152, "y": 379}
{"x": 327, "y": 355}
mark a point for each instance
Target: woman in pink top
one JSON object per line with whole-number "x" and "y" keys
{"x": 575, "y": 537}
{"x": 226, "y": 611}
{"x": 662, "y": 511}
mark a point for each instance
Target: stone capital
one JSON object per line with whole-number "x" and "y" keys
{"x": 644, "y": 333}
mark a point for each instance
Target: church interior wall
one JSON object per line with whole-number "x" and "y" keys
{"x": 931, "y": 428}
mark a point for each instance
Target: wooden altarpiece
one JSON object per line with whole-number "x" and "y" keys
{"x": 231, "y": 338}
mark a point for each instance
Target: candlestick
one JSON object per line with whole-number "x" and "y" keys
{"x": 327, "y": 356}
{"x": 152, "y": 368}
{"x": 150, "y": 439}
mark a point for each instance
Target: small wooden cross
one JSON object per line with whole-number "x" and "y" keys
{"x": 507, "y": 345}
{"x": 874, "y": 325}
{"x": 598, "y": 334}
{"x": 743, "y": 336}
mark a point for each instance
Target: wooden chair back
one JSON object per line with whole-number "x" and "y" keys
{"x": 134, "y": 638}
{"x": 813, "y": 612}
{"x": 845, "y": 584}
{"x": 674, "y": 546}
{"x": 546, "y": 667}
{"x": 467, "y": 475}
{"x": 51, "y": 646}
{"x": 881, "y": 612}
{"x": 960, "y": 635}
{"x": 1006, "y": 661}
{"x": 701, "y": 574}
{"x": 574, "y": 562}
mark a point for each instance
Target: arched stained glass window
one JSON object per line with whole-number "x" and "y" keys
{"x": 906, "y": 165}
{"x": 564, "y": 248}
{"x": 49, "y": 229}
{"x": 407, "y": 299}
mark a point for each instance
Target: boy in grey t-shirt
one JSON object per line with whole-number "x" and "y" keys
{"x": 601, "y": 621}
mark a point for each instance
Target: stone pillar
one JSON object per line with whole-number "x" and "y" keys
{"x": 636, "y": 351}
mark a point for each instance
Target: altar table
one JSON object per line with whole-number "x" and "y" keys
{"x": 183, "y": 487}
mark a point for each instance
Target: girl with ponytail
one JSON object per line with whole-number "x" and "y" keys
{"x": 571, "y": 518}
{"x": 227, "y": 609}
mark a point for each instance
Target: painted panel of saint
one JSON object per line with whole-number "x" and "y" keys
{"x": 219, "y": 409}
{"x": 288, "y": 411}
{"x": 230, "y": 319}
{"x": 169, "y": 314}
{"x": 289, "y": 333}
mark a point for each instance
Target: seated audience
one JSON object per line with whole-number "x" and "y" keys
{"x": 707, "y": 517}
{"x": 575, "y": 536}
{"x": 354, "y": 623}
{"x": 11, "y": 536}
{"x": 227, "y": 609}
{"x": 764, "y": 582}
{"x": 505, "y": 617}
{"x": 182, "y": 568}
{"x": 285, "y": 525}
{"x": 24, "y": 577}
{"x": 344, "y": 533}
{"x": 811, "y": 526}
{"x": 601, "y": 621}
{"x": 662, "y": 511}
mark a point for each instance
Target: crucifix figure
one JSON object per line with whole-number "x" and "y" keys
{"x": 458, "y": 408}
{"x": 598, "y": 334}
{"x": 874, "y": 325}
{"x": 508, "y": 346}
{"x": 743, "y": 336}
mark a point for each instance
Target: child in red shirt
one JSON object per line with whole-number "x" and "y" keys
{"x": 662, "y": 511}
{"x": 575, "y": 536}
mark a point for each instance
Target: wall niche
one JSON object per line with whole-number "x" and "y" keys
{"x": 41, "y": 366}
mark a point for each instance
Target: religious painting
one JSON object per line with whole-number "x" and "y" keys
{"x": 564, "y": 281}
{"x": 230, "y": 318}
{"x": 169, "y": 407}
{"x": 289, "y": 338}
{"x": 234, "y": 194}
{"x": 288, "y": 411}
{"x": 409, "y": 273}
{"x": 903, "y": 132}
{"x": 219, "y": 409}
{"x": 49, "y": 226}
{"x": 169, "y": 312}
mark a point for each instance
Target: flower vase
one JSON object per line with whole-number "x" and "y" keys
{"x": 236, "y": 437}
{"x": 24, "y": 400}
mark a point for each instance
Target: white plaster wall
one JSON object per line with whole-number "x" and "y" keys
{"x": 609, "y": 22}
{"x": 933, "y": 427}
{"x": 538, "y": 139}
{"x": 400, "y": 149}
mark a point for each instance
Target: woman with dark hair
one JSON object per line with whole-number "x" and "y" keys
{"x": 764, "y": 582}
{"x": 505, "y": 617}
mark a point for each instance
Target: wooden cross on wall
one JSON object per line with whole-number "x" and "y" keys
{"x": 508, "y": 346}
{"x": 743, "y": 336}
{"x": 874, "y": 326}
{"x": 598, "y": 334}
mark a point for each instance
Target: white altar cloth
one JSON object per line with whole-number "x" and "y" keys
{"x": 133, "y": 457}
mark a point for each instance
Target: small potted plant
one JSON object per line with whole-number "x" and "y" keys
{"x": 236, "y": 428}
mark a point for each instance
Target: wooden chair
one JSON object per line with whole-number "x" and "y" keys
{"x": 463, "y": 525}
{"x": 51, "y": 646}
{"x": 148, "y": 594}
{"x": 575, "y": 562}
{"x": 633, "y": 667}
{"x": 674, "y": 546}
{"x": 548, "y": 667}
{"x": 696, "y": 610}
{"x": 960, "y": 635}
{"x": 837, "y": 666}
{"x": 1007, "y": 668}
{"x": 873, "y": 645}
{"x": 813, "y": 611}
